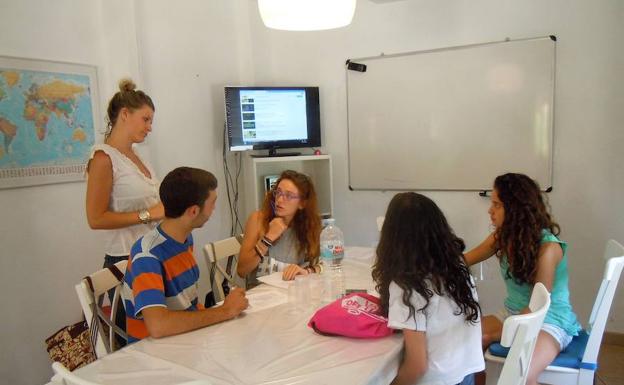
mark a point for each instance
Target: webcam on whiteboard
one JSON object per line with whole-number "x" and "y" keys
{"x": 356, "y": 66}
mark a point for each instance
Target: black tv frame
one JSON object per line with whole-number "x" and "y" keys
{"x": 232, "y": 118}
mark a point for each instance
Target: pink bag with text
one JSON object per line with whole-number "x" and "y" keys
{"x": 355, "y": 315}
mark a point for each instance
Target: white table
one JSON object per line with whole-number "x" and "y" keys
{"x": 269, "y": 346}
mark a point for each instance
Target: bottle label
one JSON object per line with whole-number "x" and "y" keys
{"x": 332, "y": 251}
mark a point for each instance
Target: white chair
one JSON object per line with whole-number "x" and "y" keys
{"x": 380, "y": 221}
{"x": 577, "y": 364}
{"x": 90, "y": 295}
{"x": 520, "y": 334}
{"x": 219, "y": 263}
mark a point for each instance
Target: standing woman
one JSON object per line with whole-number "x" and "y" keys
{"x": 526, "y": 245}
{"x": 287, "y": 229}
{"x": 122, "y": 190}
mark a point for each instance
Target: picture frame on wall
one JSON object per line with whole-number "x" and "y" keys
{"x": 48, "y": 115}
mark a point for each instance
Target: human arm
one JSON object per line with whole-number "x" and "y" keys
{"x": 252, "y": 246}
{"x": 414, "y": 327}
{"x": 483, "y": 251}
{"x": 414, "y": 364}
{"x": 162, "y": 322}
{"x": 291, "y": 271}
{"x": 248, "y": 258}
{"x": 99, "y": 188}
{"x": 550, "y": 254}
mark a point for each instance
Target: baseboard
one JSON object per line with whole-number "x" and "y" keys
{"x": 612, "y": 338}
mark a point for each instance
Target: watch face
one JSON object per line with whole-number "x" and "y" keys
{"x": 144, "y": 216}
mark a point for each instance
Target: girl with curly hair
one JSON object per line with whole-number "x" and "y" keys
{"x": 528, "y": 250}
{"x": 426, "y": 290}
{"x": 287, "y": 229}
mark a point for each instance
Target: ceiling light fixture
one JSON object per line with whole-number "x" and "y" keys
{"x": 306, "y": 15}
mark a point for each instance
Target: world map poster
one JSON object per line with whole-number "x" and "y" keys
{"x": 47, "y": 121}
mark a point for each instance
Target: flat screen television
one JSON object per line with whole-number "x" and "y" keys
{"x": 261, "y": 118}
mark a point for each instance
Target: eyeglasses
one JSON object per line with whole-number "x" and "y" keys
{"x": 287, "y": 195}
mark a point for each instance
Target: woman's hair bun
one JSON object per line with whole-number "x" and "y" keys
{"x": 126, "y": 85}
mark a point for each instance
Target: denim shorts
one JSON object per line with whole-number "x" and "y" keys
{"x": 555, "y": 331}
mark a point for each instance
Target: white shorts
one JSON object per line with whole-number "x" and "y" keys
{"x": 555, "y": 331}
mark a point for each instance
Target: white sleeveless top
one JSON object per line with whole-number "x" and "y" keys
{"x": 132, "y": 191}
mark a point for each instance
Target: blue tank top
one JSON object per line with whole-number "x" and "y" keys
{"x": 560, "y": 312}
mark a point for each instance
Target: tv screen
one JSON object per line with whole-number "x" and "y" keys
{"x": 272, "y": 117}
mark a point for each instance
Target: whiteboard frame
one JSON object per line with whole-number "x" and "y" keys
{"x": 482, "y": 191}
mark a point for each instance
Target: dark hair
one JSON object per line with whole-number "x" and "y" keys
{"x": 306, "y": 223}
{"x": 526, "y": 215}
{"x": 128, "y": 98}
{"x": 185, "y": 187}
{"x": 419, "y": 252}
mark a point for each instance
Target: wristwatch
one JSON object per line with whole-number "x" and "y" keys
{"x": 144, "y": 216}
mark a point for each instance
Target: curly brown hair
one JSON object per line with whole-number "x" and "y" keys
{"x": 419, "y": 252}
{"x": 306, "y": 223}
{"x": 526, "y": 216}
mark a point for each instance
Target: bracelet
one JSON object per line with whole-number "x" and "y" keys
{"x": 257, "y": 249}
{"x": 266, "y": 241}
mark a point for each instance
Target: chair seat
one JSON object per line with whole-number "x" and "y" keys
{"x": 570, "y": 357}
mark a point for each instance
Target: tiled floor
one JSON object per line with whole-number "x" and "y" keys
{"x": 611, "y": 365}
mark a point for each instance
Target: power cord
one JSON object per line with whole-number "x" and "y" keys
{"x": 231, "y": 186}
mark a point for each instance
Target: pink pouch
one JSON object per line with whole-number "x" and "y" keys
{"x": 355, "y": 315}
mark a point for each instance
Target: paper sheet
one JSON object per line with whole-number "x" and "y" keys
{"x": 275, "y": 279}
{"x": 265, "y": 300}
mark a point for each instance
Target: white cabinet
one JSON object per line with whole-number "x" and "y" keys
{"x": 317, "y": 167}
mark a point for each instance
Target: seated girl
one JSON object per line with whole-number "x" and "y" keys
{"x": 528, "y": 250}
{"x": 287, "y": 229}
{"x": 426, "y": 290}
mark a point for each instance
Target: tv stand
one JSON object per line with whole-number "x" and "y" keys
{"x": 274, "y": 153}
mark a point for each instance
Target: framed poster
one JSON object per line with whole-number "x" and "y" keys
{"x": 48, "y": 112}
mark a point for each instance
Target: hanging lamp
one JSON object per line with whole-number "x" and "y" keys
{"x": 306, "y": 15}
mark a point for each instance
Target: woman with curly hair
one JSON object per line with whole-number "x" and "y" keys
{"x": 528, "y": 250}
{"x": 287, "y": 229}
{"x": 426, "y": 290}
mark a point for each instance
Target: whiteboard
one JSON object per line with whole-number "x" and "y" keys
{"x": 452, "y": 118}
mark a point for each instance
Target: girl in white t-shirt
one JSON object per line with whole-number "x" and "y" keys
{"x": 426, "y": 291}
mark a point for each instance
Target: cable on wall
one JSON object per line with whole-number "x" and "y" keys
{"x": 231, "y": 186}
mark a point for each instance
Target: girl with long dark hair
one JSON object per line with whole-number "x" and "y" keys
{"x": 526, "y": 245}
{"x": 426, "y": 290}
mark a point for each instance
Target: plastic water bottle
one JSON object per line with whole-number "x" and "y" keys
{"x": 332, "y": 253}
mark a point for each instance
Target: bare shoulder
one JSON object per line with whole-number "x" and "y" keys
{"x": 100, "y": 161}
{"x": 255, "y": 219}
{"x": 257, "y": 216}
{"x": 551, "y": 251}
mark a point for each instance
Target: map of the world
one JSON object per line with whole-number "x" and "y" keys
{"x": 46, "y": 124}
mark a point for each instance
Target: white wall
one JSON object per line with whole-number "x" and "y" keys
{"x": 182, "y": 54}
{"x": 47, "y": 246}
{"x": 588, "y": 113}
{"x": 188, "y": 53}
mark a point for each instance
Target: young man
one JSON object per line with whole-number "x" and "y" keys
{"x": 160, "y": 288}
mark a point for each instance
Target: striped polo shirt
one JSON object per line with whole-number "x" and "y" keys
{"x": 161, "y": 272}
